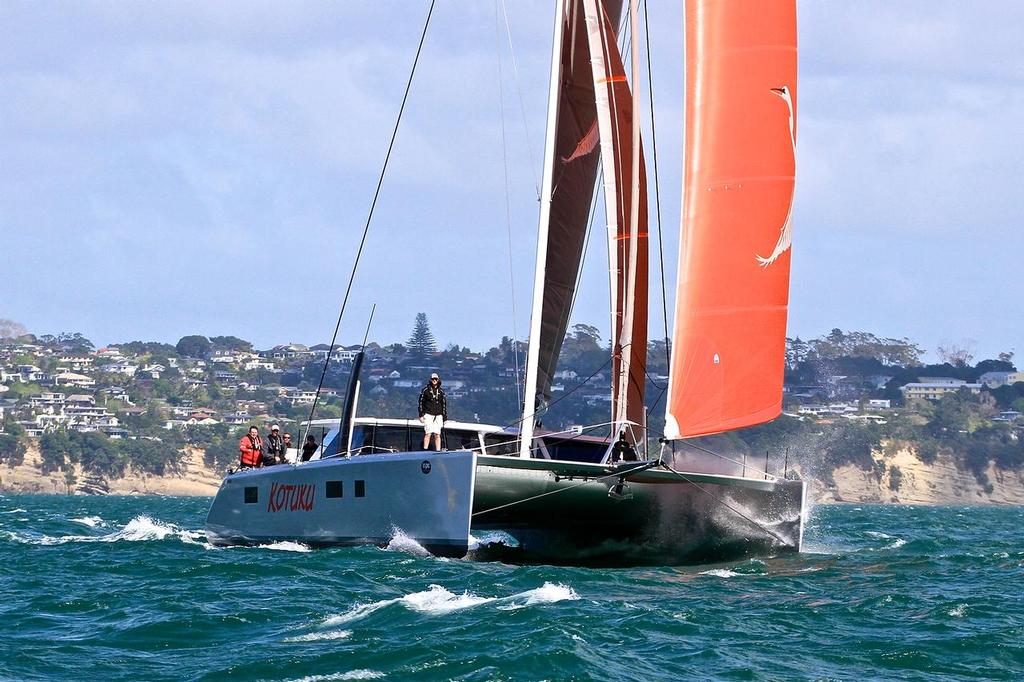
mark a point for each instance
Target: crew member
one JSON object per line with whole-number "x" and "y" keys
{"x": 251, "y": 448}
{"x": 433, "y": 411}
{"x": 275, "y": 451}
{"x": 309, "y": 448}
{"x": 623, "y": 450}
{"x": 287, "y": 446}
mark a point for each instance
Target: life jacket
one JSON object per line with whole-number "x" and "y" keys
{"x": 252, "y": 450}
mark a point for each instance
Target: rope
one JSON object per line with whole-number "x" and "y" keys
{"x": 369, "y": 217}
{"x": 508, "y": 204}
{"x": 641, "y": 467}
{"x": 725, "y": 504}
{"x": 519, "y": 90}
{"x": 657, "y": 188}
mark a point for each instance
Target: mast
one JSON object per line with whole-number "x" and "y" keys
{"x": 530, "y": 397}
{"x": 625, "y": 192}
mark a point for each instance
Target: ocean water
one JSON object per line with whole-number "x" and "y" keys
{"x": 126, "y": 588}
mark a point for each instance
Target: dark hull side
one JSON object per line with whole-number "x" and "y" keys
{"x": 666, "y": 520}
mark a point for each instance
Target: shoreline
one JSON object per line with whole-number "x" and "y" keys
{"x": 898, "y": 477}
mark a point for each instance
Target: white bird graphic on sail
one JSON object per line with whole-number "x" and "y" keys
{"x": 786, "y": 234}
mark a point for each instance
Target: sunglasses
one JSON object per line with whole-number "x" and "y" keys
{"x": 435, "y": 379}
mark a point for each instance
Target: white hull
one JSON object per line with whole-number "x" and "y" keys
{"x": 350, "y": 501}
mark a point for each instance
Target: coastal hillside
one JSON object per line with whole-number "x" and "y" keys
{"x": 864, "y": 417}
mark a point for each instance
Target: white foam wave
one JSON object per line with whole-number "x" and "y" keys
{"x": 321, "y": 636}
{"x": 91, "y": 521}
{"x": 357, "y": 612}
{"x": 548, "y": 593}
{"x": 139, "y": 529}
{"x": 877, "y": 534}
{"x": 362, "y": 674}
{"x": 720, "y": 573}
{"x": 287, "y": 546}
{"x": 15, "y": 511}
{"x": 400, "y": 542}
{"x": 896, "y": 545}
{"x": 436, "y": 600}
{"x": 959, "y": 611}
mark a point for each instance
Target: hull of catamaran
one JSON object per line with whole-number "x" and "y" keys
{"x": 560, "y": 512}
{"x": 350, "y": 501}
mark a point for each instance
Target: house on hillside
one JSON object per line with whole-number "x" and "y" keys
{"x": 997, "y": 379}
{"x": 933, "y": 388}
{"x": 72, "y": 379}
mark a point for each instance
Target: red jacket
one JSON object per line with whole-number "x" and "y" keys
{"x": 252, "y": 451}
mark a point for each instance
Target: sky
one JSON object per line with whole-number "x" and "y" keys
{"x": 207, "y": 168}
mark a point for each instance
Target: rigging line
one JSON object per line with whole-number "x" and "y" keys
{"x": 369, "y": 216}
{"x": 657, "y": 187}
{"x": 725, "y": 504}
{"x": 519, "y": 90}
{"x": 508, "y": 204}
{"x": 727, "y": 459}
{"x": 561, "y": 397}
{"x": 641, "y": 467}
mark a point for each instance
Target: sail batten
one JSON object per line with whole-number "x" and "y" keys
{"x": 739, "y": 167}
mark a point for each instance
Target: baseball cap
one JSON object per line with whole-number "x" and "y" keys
{"x": 275, "y": 427}
{"x": 433, "y": 375}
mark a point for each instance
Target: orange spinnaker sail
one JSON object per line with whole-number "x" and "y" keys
{"x": 733, "y": 291}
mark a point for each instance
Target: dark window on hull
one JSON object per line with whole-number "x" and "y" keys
{"x": 335, "y": 489}
{"x": 568, "y": 450}
{"x": 360, "y": 488}
{"x": 252, "y": 495}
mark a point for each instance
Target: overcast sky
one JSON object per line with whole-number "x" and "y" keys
{"x": 178, "y": 168}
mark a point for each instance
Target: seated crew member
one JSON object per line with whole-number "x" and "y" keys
{"x": 309, "y": 448}
{"x": 251, "y": 449}
{"x": 287, "y": 446}
{"x": 274, "y": 452}
{"x": 623, "y": 450}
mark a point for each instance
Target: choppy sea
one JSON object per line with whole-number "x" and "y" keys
{"x": 127, "y": 588}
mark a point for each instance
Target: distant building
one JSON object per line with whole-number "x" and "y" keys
{"x": 997, "y": 379}
{"x": 933, "y": 388}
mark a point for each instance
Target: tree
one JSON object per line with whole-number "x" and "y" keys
{"x": 230, "y": 343}
{"x": 958, "y": 354}
{"x": 12, "y": 449}
{"x": 9, "y": 329}
{"x": 193, "y": 346}
{"x": 421, "y": 342}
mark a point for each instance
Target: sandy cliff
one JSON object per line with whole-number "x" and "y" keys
{"x": 940, "y": 482}
{"x": 195, "y": 479}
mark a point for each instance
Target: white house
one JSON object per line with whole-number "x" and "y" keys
{"x": 72, "y": 379}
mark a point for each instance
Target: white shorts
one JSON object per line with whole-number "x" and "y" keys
{"x": 432, "y": 423}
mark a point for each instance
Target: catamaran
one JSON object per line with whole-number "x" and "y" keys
{"x": 560, "y": 496}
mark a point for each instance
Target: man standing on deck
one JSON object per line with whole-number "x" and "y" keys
{"x": 433, "y": 411}
{"x": 276, "y": 450}
{"x": 251, "y": 449}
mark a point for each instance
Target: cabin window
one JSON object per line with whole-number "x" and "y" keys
{"x": 360, "y": 488}
{"x": 390, "y": 439}
{"x": 501, "y": 444}
{"x": 252, "y": 495}
{"x": 335, "y": 489}
{"x": 362, "y": 437}
{"x": 461, "y": 440}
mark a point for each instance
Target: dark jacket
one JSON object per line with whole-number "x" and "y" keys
{"x": 275, "y": 449}
{"x": 432, "y": 401}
